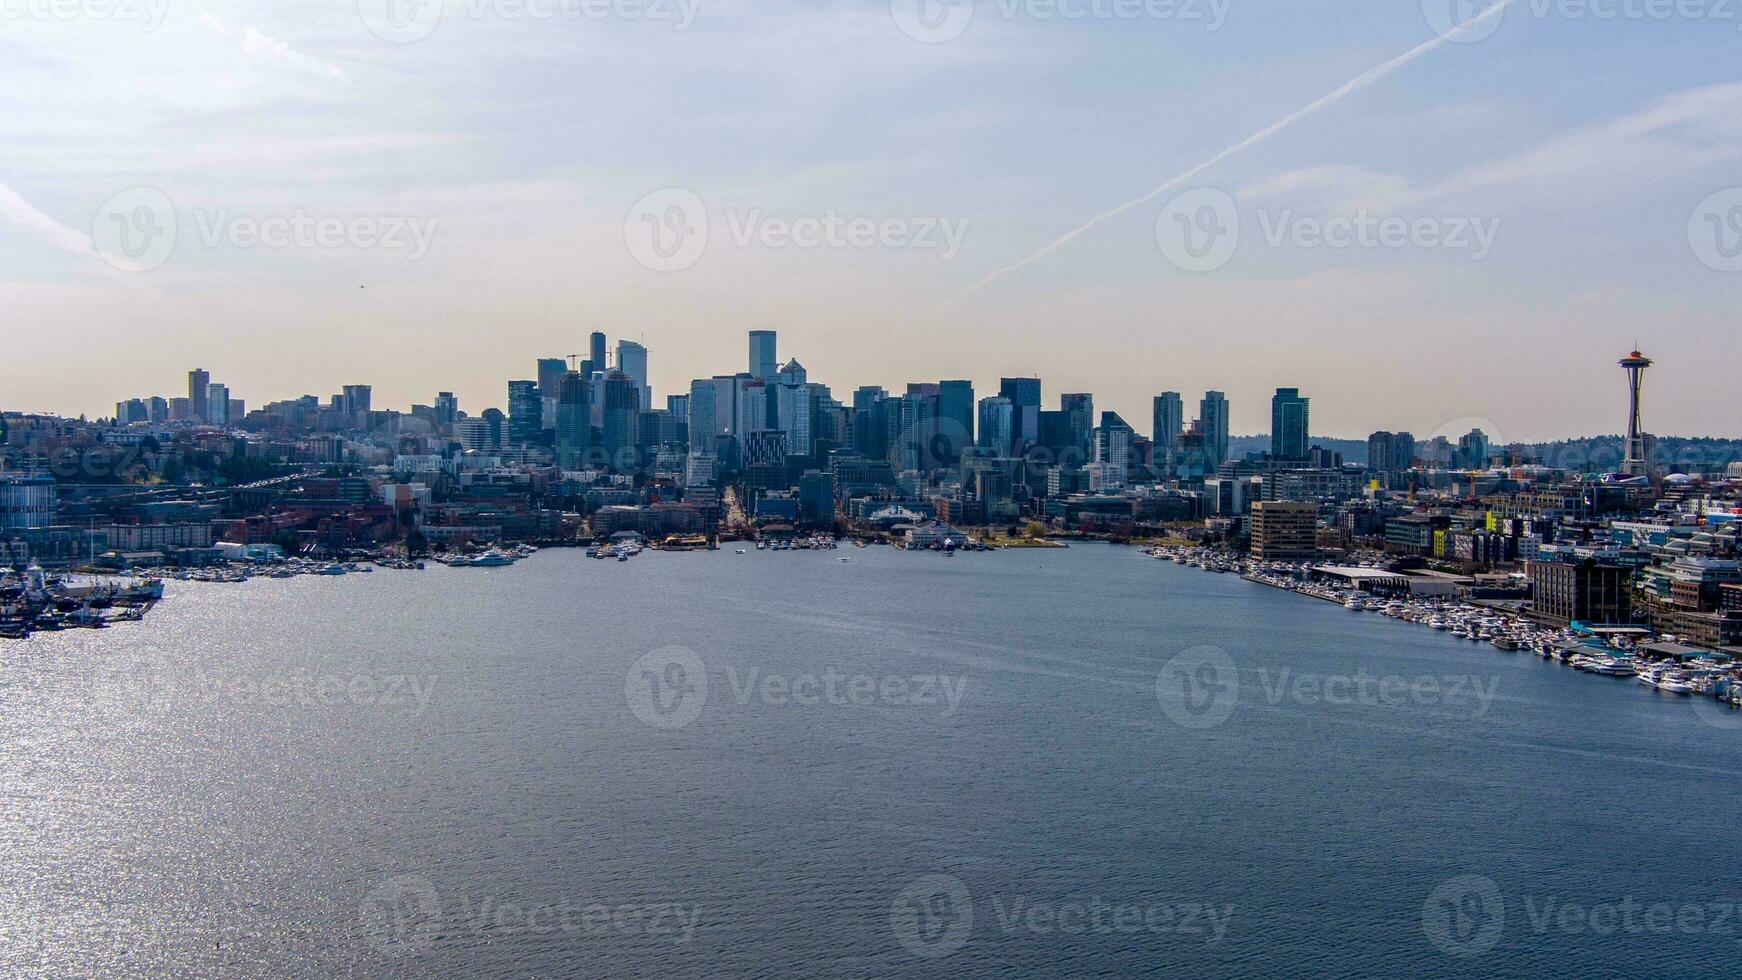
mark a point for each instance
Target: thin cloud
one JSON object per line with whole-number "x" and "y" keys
{"x": 16, "y": 209}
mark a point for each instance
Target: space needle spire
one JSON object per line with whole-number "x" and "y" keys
{"x": 1639, "y": 445}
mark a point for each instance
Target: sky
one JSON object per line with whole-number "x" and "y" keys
{"x": 427, "y": 196}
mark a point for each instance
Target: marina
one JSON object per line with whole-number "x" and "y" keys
{"x": 1663, "y": 665}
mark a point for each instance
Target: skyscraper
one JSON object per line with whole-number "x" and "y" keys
{"x": 763, "y": 363}
{"x": 1024, "y": 395}
{"x": 632, "y": 361}
{"x": 1639, "y": 445}
{"x": 955, "y": 418}
{"x": 996, "y": 415}
{"x": 198, "y": 378}
{"x": 596, "y": 355}
{"x": 1213, "y": 425}
{"x": 622, "y": 417}
{"x": 217, "y": 404}
{"x": 1169, "y": 422}
{"x": 550, "y": 379}
{"x": 1289, "y": 437}
{"x": 447, "y": 408}
{"x": 574, "y": 420}
{"x": 1079, "y": 412}
{"x": 525, "y": 413}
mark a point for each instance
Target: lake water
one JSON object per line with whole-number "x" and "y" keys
{"x": 1078, "y": 762}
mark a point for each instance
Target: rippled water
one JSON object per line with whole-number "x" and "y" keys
{"x": 785, "y": 765}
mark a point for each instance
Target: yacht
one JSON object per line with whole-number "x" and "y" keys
{"x": 493, "y": 558}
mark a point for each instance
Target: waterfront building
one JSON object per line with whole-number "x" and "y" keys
{"x": 1285, "y": 530}
{"x": 26, "y": 501}
{"x": 1289, "y": 429}
{"x": 1586, "y": 591}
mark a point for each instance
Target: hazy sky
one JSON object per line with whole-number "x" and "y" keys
{"x": 1532, "y": 197}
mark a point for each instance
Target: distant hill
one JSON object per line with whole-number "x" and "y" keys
{"x": 1599, "y": 454}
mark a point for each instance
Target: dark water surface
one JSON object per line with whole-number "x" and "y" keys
{"x": 779, "y": 764}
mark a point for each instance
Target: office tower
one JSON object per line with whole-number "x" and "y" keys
{"x": 1024, "y": 395}
{"x": 793, "y": 409}
{"x": 622, "y": 415}
{"x": 131, "y": 410}
{"x": 1213, "y": 426}
{"x": 913, "y": 448}
{"x": 870, "y": 435}
{"x": 1639, "y": 447}
{"x": 357, "y": 400}
{"x": 550, "y": 379}
{"x": 704, "y": 416}
{"x": 473, "y": 434}
{"x": 1473, "y": 449}
{"x": 217, "y": 404}
{"x": 955, "y": 418}
{"x": 574, "y": 420}
{"x": 157, "y": 408}
{"x": 762, "y": 359}
{"x": 751, "y": 406}
{"x": 1079, "y": 411}
{"x": 525, "y": 413}
{"x": 1403, "y": 451}
{"x": 596, "y": 355}
{"x": 1288, "y": 424}
{"x": 198, "y": 378}
{"x": 678, "y": 406}
{"x": 1169, "y": 422}
{"x": 447, "y": 408}
{"x": 632, "y": 361}
{"x": 996, "y": 422}
{"x": 1112, "y": 457}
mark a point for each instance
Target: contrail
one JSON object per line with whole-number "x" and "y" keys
{"x": 1359, "y": 82}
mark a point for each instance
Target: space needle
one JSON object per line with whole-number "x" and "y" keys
{"x": 1638, "y": 462}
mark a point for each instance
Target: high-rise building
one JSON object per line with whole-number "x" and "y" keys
{"x": 198, "y": 378}
{"x": 1289, "y": 428}
{"x": 357, "y": 402}
{"x": 1024, "y": 395}
{"x": 1169, "y": 422}
{"x": 1285, "y": 530}
{"x": 622, "y": 416}
{"x": 447, "y": 408}
{"x": 632, "y": 361}
{"x": 955, "y": 418}
{"x": 1213, "y": 426}
{"x": 1639, "y": 446}
{"x": 763, "y": 362}
{"x": 525, "y": 413}
{"x": 574, "y": 420}
{"x": 996, "y": 421}
{"x": 596, "y": 354}
{"x": 550, "y": 379}
{"x": 1079, "y": 410}
{"x": 217, "y": 404}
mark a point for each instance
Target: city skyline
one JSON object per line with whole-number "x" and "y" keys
{"x": 516, "y": 201}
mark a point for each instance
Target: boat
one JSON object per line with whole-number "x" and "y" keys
{"x": 333, "y": 569}
{"x": 843, "y": 558}
{"x": 1506, "y": 643}
{"x": 492, "y": 559}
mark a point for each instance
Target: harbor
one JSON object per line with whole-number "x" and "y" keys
{"x": 1659, "y": 662}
